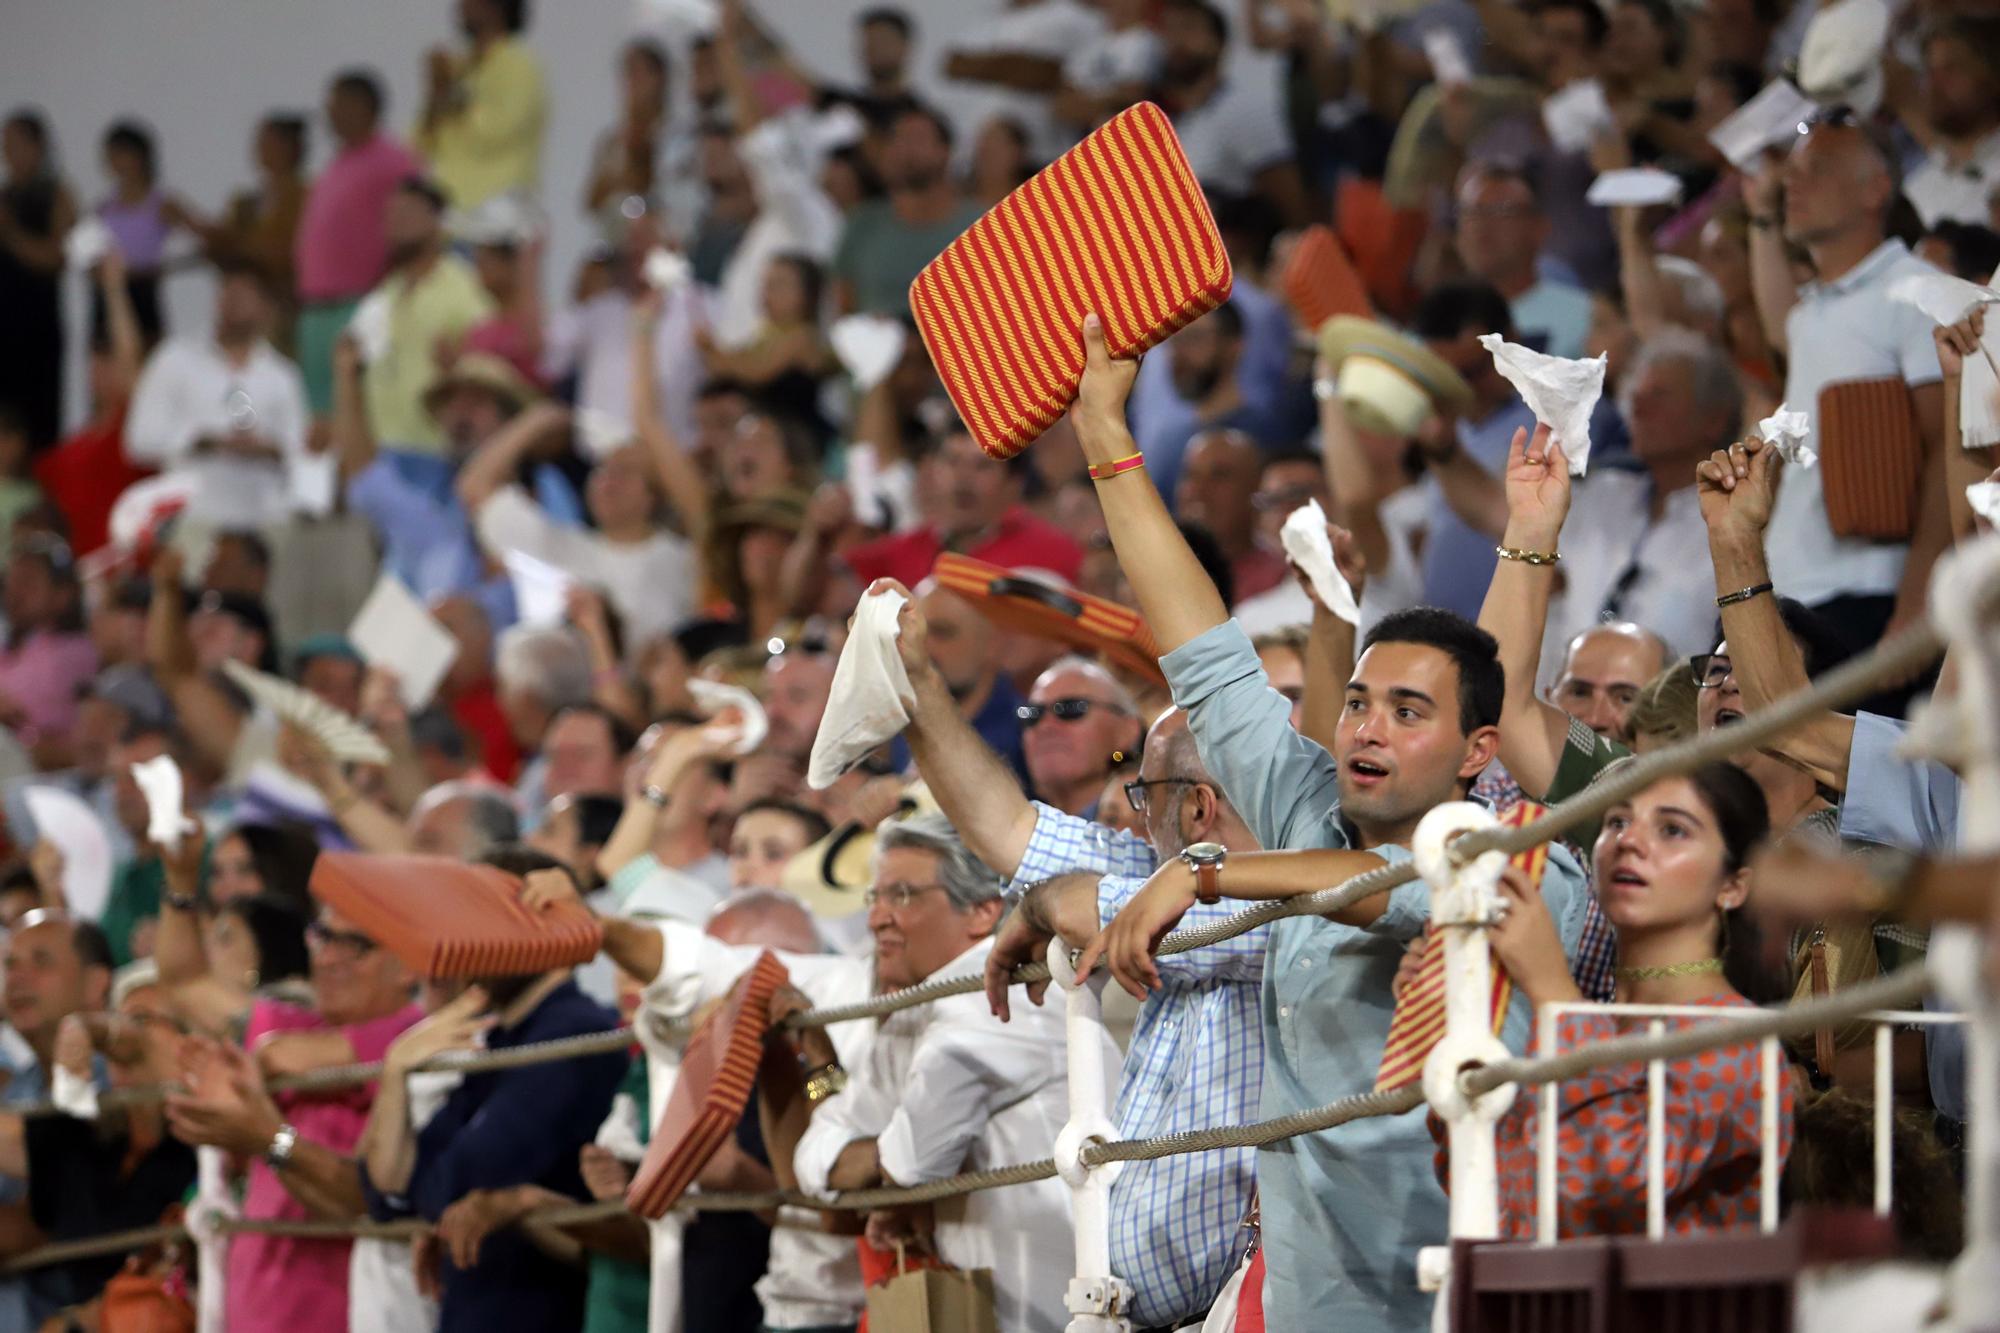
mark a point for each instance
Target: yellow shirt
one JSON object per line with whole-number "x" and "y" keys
{"x": 434, "y": 311}
{"x": 492, "y": 143}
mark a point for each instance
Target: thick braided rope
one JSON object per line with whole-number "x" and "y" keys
{"x": 91, "y": 1247}
{"x": 1359, "y": 1107}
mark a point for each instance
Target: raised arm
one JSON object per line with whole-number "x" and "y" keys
{"x": 1329, "y": 663}
{"x": 494, "y": 464}
{"x": 206, "y": 713}
{"x": 1771, "y": 281}
{"x": 1175, "y": 594}
{"x": 682, "y": 482}
{"x": 1357, "y": 485}
{"x": 128, "y": 346}
{"x": 1516, "y": 610}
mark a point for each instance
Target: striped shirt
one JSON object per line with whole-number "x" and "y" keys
{"x": 1196, "y": 1062}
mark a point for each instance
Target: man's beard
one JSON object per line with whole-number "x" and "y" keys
{"x": 920, "y": 178}
{"x": 1195, "y": 385}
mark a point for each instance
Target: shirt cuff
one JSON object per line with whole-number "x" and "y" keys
{"x": 1407, "y": 907}
{"x": 813, "y": 1159}
{"x": 675, "y": 992}
{"x": 1208, "y": 662}
{"x": 631, "y": 875}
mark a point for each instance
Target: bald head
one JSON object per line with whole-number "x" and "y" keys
{"x": 766, "y": 918}
{"x": 1183, "y": 802}
{"x": 1603, "y": 672}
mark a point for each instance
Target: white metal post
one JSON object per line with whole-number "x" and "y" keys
{"x": 1098, "y": 1299}
{"x": 212, "y": 1206}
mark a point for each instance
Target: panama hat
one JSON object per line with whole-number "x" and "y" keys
{"x": 832, "y": 877}
{"x": 1389, "y": 382}
{"x": 482, "y": 370}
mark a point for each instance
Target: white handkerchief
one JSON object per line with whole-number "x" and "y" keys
{"x": 144, "y": 507}
{"x": 1307, "y": 546}
{"x": 600, "y": 434}
{"x": 87, "y": 242}
{"x": 62, "y": 819}
{"x": 1771, "y": 117}
{"x": 160, "y": 783}
{"x": 73, "y": 1096}
{"x": 1943, "y": 297}
{"x": 395, "y": 630}
{"x": 871, "y": 696}
{"x": 714, "y": 697}
{"x": 1948, "y": 300}
{"x": 1447, "y": 56}
{"x": 666, "y": 271}
{"x": 315, "y": 482}
{"x": 691, "y": 16}
{"x": 869, "y": 346}
{"x": 839, "y": 126}
{"x": 369, "y": 327}
{"x": 1984, "y": 497}
{"x": 541, "y": 590}
{"x": 1789, "y": 430}
{"x": 1558, "y": 390}
{"x": 1575, "y": 116}
{"x": 1640, "y": 187}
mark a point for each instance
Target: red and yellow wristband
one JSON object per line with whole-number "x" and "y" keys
{"x": 1106, "y": 471}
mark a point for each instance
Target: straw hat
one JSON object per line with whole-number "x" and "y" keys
{"x": 482, "y": 370}
{"x": 1389, "y": 383}
{"x": 832, "y": 876}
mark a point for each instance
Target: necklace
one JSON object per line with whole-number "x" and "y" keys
{"x": 1705, "y": 967}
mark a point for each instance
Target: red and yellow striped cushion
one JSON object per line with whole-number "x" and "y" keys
{"x": 718, "y": 1072}
{"x": 1117, "y": 226}
{"x": 1320, "y": 281}
{"x": 1026, "y": 606}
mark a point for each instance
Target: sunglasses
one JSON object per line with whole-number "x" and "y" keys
{"x": 1710, "y": 670}
{"x": 1068, "y": 710}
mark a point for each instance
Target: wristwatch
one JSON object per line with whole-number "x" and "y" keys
{"x": 823, "y": 1082}
{"x": 280, "y": 1150}
{"x": 1205, "y": 859}
{"x": 182, "y": 902}
{"x": 656, "y": 796}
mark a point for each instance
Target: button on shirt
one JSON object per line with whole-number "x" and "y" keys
{"x": 1196, "y": 1061}
{"x": 947, "y": 1087}
{"x": 341, "y": 250}
{"x": 1941, "y": 192}
{"x": 1842, "y": 331}
{"x": 191, "y": 390}
{"x": 1621, "y": 563}
{"x": 1344, "y": 1210}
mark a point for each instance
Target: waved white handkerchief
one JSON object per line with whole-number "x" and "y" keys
{"x": 87, "y": 242}
{"x": 714, "y": 697}
{"x": 72, "y": 1095}
{"x": 1948, "y": 300}
{"x": 692, "y": 16}
{"x": 343, "y": 735}
{"x": 666, "y": 271}
{"x": 1789, "y": 430}
{"x": 1558, "y": 390}
{"x": 1575, "y": 116}
{"x": 1771, "y": 117}
{"x": 1637, "y": 186}
{"x": 369, "y": 327}
{"x": 1447, "y": 57}
{"x": 600, "y": 434}
{"x": 541, "y": 590}
{"x": 1984, "y": 497}
{"x": 1307, "y": 546}
{"x": 871, "y": 696}
{"x": 869, "y": 346}
{"x": 73, "y": 828}
{"x": 315, "y": 482}
{"x": 161, "y": 784}
{"x": 839, "y": 126}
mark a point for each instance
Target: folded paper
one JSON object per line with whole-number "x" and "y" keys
{"x": 64, "y": 822}
{"x": 1789, "y": 431}
{"x": 1769, "y": 119}
{"x": 395, "y": 630}
{"x": 1948, "y": 300}
{"x": 1577, "y": 115}
{"x": 1638, "y": 187}
{"x": 1561, "y": 392}
{"x": 1308, "y": 546}
{"x": 713, "y": 697}
{"x": 160, "y": 782}
{"x": 871, "y": 696}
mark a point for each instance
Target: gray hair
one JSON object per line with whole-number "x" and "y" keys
{"x": 1699, "y": 294}
{"x": 1121, "y": 698}
{"x": 547, "y": 663}
{"x": 967, "y": 881}
{"x": 489, "y": 813}
{"x": 1711, "y": 373}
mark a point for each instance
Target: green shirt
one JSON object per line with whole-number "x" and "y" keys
{"x": 620, "y": 1291}
{"x": 135, "y": 897}
{"x": 880, "y": 255}
{"x": 1585, "y": 754}
{"x": 434, "y": 310}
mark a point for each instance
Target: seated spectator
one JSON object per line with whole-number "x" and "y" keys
{"x": 1001, "y": 161}
{"x": 888, "y": 241}
{"x": 1604, "y": 671}
{"x": 745, "y": 558}
{"x": 911, "y": 1113}
{"x": 1077, "y": 725}
{"x": 1671, "y": 873}
{"x": 226, "y": 411}
{"x": 1968, "y": 250}
{"x": 211, "y": 948}
{"x": 470, "y": 693}
{"x": 462, "y": 820}
{"x": 796, "y": 683}
{"x": 1961, "y": 103}
{"x": 783, "y": 356}
{"x": 1282, "y": 653}
{"x": 573, "y": 830}
{"x": 537, "y": 673}
{"x": 583, "y": 753}
{"x": 963, "y": 645}
{"x": 507, "y": 255}
{"x": 496, "y": 1133}
{"x": 47, "y": 653}
{"x": 1217, "y": 490}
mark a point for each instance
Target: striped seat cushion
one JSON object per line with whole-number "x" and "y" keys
{"x": 1116, "y": 226}
{"x": 1320, "y": 281}
{"x": 1026, "y": 605}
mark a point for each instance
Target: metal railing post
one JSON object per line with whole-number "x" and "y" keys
{"x": 1098, "y": 1299}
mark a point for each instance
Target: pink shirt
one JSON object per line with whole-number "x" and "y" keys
{"x": 280, "y": 1283}
{"x": 42, "y": 677}
{"x": 340, "y": 252}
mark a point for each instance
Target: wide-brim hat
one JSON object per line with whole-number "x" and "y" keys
{"x": 1023, "y": 603}
{"x": 1389, "y": 383}
{"x": 482, "y": 370}
{"x": 832, "y": 877}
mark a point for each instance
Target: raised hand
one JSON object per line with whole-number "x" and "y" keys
{"x": 1956, "y": 342}
{"x": 456, "y": 1027}
{"x": 1737, "y": 487}
{"x": 1537, "y": 482}
{"x": 1107, "y": 382}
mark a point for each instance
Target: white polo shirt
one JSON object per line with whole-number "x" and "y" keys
{"x": 1941, "y": 192}
{"x": 1234, "y": 135}
{"x": 1842, "y": 331}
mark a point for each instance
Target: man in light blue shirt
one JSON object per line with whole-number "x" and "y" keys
{"x": 1196, "y": 1056}
{"x": 1344, "y": 1210}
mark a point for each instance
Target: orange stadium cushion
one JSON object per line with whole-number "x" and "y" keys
{"x": 1321, "y": 282}
{"x": 449, "y": 920}
{"x": 1116, "y": 226}
{"x": 718, "y": 1070}
{"x": 1027, "y": 605}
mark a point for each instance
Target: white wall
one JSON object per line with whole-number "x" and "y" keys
{"x": 202, "y": 71}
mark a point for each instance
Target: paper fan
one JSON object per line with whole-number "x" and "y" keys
{"x": 344, "y": 737}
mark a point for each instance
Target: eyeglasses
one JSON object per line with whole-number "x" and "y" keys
{"x": 1069, "y": 710}
{"x": 1286, "y": 498}
{"x": 1710, "y": 670}
{"x": 897, "y": 896}
{"x": 350, "y": 942}
{"x": 1135, "y": 792}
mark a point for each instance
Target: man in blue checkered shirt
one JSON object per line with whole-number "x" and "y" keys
{"x": 1197, "y": 1053}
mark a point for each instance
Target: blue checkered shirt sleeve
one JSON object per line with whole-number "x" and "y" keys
{"x": 1065, "y": 844}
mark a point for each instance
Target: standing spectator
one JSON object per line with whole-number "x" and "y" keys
{"x": 343, "y": 243}
{"x": 888, "y": 241}
{"x": 136, "y": 213}
{"x": 481, "y": 129}
{"x": 259, "y": 227}
{"x": 1217, "y": 490}
{"x": 86, "y": 473}
{"x": 1842, "y": 332}
{"x": 47, "y": 653}
{"x": 883, "y": 38}
{"x": 227, "y": 411}
{"x": 537, "y": 673}
{"x": 1961, "y": 87}
{"x": 1501, "y": 230}
{"x": 434, "y": 298}
{"x": 36, "y": 211}
{"x": 1111, "y": 71}
{"x": 1234, "y": 133}
{"x": 507, "y": 254}
{"x": 626, "y": 158}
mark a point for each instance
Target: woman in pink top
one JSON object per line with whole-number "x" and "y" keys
{"x": 47, "y": 654}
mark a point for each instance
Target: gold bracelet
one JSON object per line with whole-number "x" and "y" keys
{"x": 1527, "y": 557}
{"x": 824, "y": 1082}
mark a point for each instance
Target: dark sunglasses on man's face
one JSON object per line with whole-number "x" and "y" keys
{"x": 1069, "y": 710}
